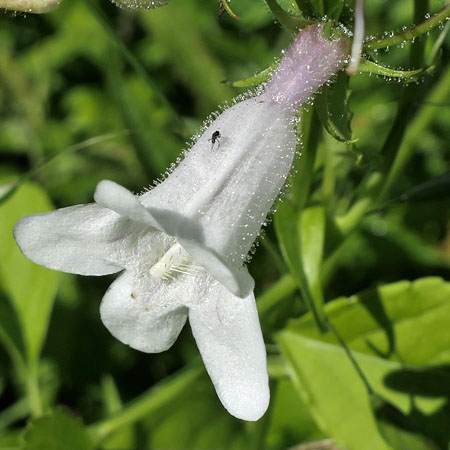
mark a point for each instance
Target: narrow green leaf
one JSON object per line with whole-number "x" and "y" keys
{"x": 288, "y": 21}
{"x": 56, "y": 431}
{"x": 366, "y": 66}
{"x": 333, "y": 8}
{"x": 151, "y": 401}
{"x": 333, "y": 110}
{"x": 308, "y": 132}
{"x": 435, "y": 189}
{"x": 255, "y": 80}
{"x": 312, "y": 236}
{"x": 305, "y": 7}
{"x": 30, "y": 287}
{"x": 287, "y": 229}
{"x": 11, "y": 332}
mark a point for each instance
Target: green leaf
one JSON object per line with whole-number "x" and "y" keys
{"x": 150, "y": 403}
{"x": 305, "y": 7}
{"x": 31, "y": 288}
{"x": 402, "y": 437}
{"x": 10, "y": 332}
{"x": 435, "y": 189}
{"x": 392, "y": 320}
{"x": 312, "y": 236}
{"x": 326, "y": 380}
{"x": 255, "y": 80}
{"x": 333, "y": 110}
{"x": 57, "y": 431}
{"x": 288, "y": 227}
{"x": 288, "y": 21}
{"x": 333, "y": 8}
{"x": 289, "y": 416}
{"x": 366, "y": 66}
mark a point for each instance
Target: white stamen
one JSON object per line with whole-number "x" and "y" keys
{"x": 174, "y": 260}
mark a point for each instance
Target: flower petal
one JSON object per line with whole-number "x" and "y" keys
{"x": 311, "y": 60}
{"x": 235, "y": 278}
{"x": 143, "y": 314}
{"x": 228, "y": 335}
{"x": 229, "y": 190}
{"x": 82, "y": 239}
{"x": 119, "y": 199}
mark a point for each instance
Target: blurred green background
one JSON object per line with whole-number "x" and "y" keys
{"x": 91, "y": 92}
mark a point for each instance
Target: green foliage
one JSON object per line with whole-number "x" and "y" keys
{"x": 58, "y": 430}
{"x": 352, "y": 278}
{"x": 29, "y": 287}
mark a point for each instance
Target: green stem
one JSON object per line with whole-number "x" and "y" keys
{"x": 352, "y": 359}
{"x": 33, "y": 392}
{"x": 416, "y": 129}
{"x": 309, "y": 131}
{"x": 149, "y": 402}
{"x": 284, "y": 287}
{"x": 17, "y": 411}
{"x": 228, "y": 9}
{"x": 274, "y": 254}
{"x": 411, "y": 33}
{"x": 421, "y": 7}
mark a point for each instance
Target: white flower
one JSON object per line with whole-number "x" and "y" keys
{"x": 30, "y": 6}
{"x": 182, "y": 245}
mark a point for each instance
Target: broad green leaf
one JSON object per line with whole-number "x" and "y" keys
{"x": 332, "y": 108}
{"x": 326, "y": 380}
{"x": 287, "y": 229}
{"x": 56, "y": 431}
{"x": 10, "y": 440}
{"x": 291, "y": 419}
{"x": 31, "y": 288}
{"x": 406, "y": 321}
{"x": 403, "y": 436}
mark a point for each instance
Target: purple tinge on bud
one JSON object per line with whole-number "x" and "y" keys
{"x": 310, "y": 62}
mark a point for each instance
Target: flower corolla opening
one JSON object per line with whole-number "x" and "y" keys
{"x": 182, "y": 245}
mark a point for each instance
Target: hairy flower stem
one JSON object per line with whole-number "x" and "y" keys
{"x": 411, "y": 33}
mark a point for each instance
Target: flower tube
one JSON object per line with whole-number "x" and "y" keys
{"x": 182, "y": 245}
{"x": 30, "y": 6}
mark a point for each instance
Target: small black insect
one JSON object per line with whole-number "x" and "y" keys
{"x": 215, "y": 137}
